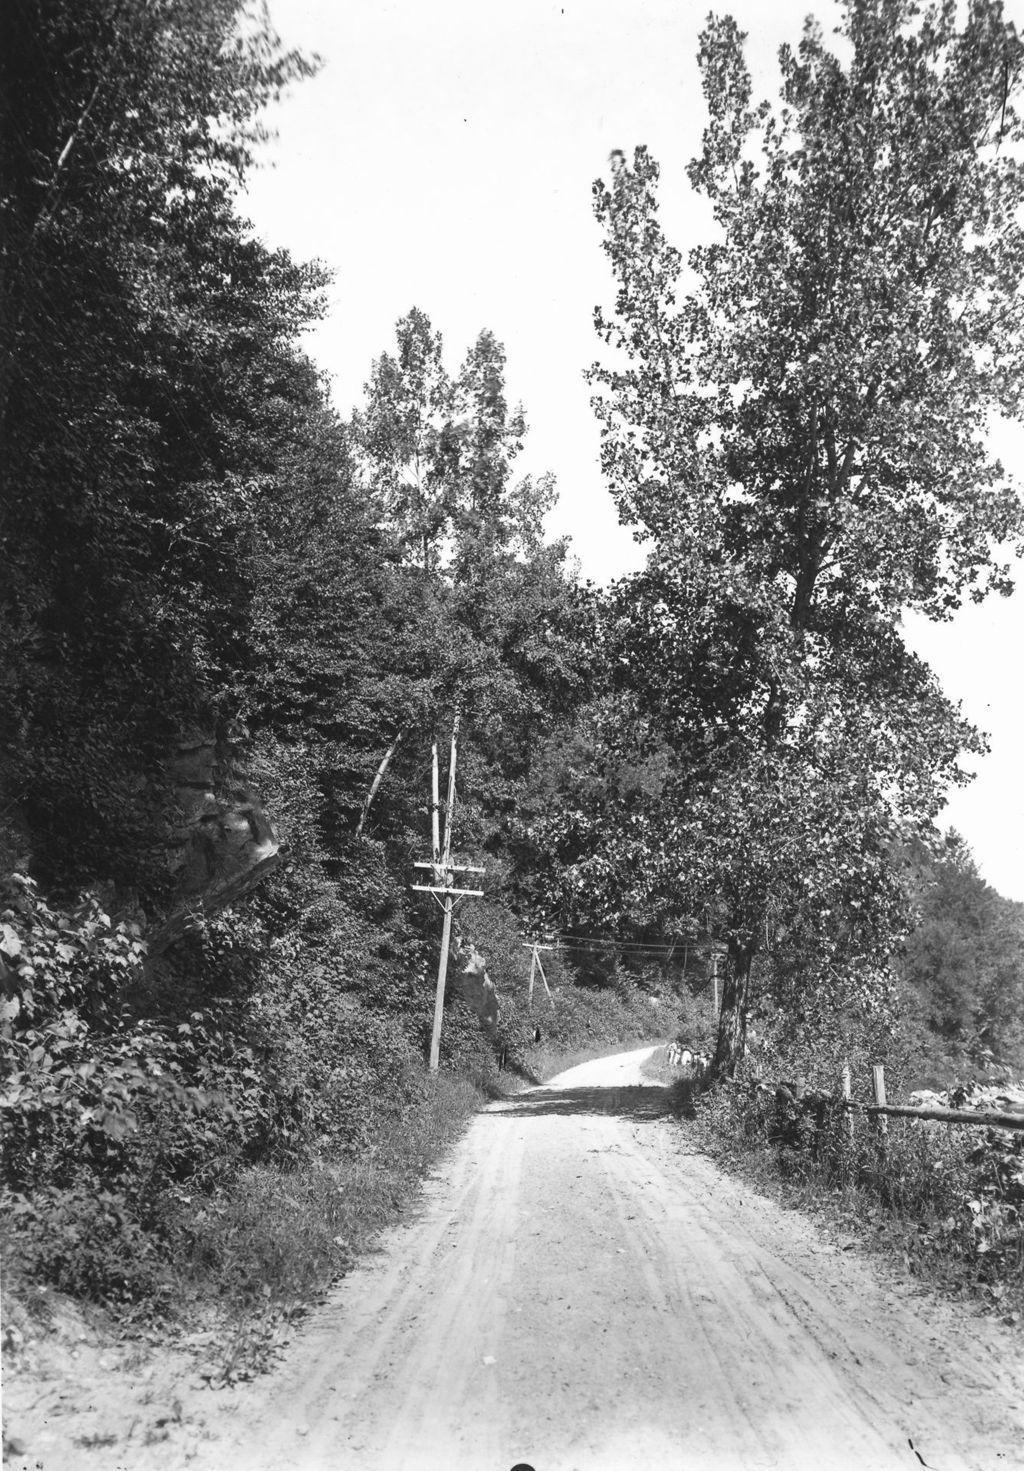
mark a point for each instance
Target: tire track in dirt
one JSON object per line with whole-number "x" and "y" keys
{"x": 581, "y": 1291}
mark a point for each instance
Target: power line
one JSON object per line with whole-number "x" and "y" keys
{"x": 661, "y": 947}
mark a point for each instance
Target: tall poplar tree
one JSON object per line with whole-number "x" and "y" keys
{"x": 798, "y": 421}
{"x": 500, "y": 621}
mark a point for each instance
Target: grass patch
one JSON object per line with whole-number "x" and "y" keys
{"x": 658, "y": 1070}
{"x": 282, "y": 1239}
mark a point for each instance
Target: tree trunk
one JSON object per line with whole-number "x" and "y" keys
{"x": 732, "y": 1020}
{"x": 381, "y": 769}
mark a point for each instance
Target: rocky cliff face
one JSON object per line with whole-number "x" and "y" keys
{"x": 225, "y": 842}
{"x": 226, "y": 832}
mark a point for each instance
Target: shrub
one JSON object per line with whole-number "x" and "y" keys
{"x": 52, "y": 962}
{"x": 84, "y": 1241}
{"x": 695, "y": 1022}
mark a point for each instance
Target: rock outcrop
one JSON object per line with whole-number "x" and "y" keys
{"x": 473, "y": 984}
{"x": 226, "y": 831}
{"x": 225, "y": 843}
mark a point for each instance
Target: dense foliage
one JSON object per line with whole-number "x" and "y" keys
{"x": 197, "y": 548}
{"x": 149, "y": 389}
{"x": 962, "y": 969}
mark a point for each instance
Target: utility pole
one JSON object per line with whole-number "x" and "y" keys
{"x": 443, "y": 872}
{"x": 535, "y": 965}
{"x": 446, "y": 929}
{"x": 435, "y": 803}
{"x": 714, "y": 950}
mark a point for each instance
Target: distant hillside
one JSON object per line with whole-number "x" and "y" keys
{"x": 963, "y": 969}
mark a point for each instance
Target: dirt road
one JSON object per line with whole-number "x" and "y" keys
{"x": 581, "y": 1289}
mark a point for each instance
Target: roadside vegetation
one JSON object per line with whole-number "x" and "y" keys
{"x": 233, "y": 624}
{"x": 944, "y": 1203}
{"x": 242, "y": 1248}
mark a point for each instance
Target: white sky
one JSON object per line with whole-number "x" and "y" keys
{"x": 443, "y": 159}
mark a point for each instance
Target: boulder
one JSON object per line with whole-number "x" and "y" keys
{"x": 474, "y": 985}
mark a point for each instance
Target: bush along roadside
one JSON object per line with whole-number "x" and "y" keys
{"x": 224, "y": 1163}
{"x": 110, "y": 1119}
{"x": 946, "y": 1201}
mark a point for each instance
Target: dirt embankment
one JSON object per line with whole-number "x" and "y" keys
{"x": 581, "y": 1289}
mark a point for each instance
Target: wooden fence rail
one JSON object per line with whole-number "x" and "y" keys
{"x": 951, "y": 1115}
{"x": 978, "y": 1117}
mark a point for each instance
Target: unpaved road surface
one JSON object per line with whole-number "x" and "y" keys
{"x": 582, "y": 1291}
{"x": 579, "y": 1289}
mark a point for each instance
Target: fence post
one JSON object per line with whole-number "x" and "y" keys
{"x": 799, "y": 1089}
{"x": 846, "y": 1101}
{"x": 881, "y": 1122}
{"x": 878, "y": 1089}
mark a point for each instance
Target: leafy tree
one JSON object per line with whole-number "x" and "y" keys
{"x": 365, "y": 637}
{"x": 498, "y": 619}
{"x": 963, "y": 963}
{"x": 436, "y": 454}
{"x": 666, "y": 818}
{"x": 799, "y": 426}
{"x": 341, "y": 629}
{"x": 147, "y": 389}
